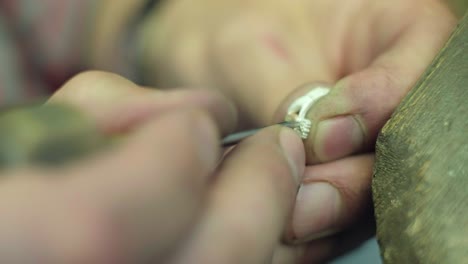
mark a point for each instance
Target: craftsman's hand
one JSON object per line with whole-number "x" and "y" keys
{"x": 259, "y": 52}
{"x": 158, "y": 196}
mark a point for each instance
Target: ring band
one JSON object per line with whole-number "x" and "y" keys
{"x": 299, "y": 108}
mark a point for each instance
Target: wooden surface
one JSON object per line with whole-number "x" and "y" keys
{"x": 458, "y": 6}
{"x": 420, "y": 184}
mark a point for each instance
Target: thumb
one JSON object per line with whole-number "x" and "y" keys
{"x": 348, "y": 119}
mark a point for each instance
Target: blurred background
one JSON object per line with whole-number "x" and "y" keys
{"x": 368, "y": 253}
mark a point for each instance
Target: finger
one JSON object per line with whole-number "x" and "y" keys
{"x": 326, "y": 249}
{"x": 349, "y": 118}
{"x": 250, "y": 201}
{"x": 332, "y": 197}
{"x": 157, "y": 193}
{"x": 118, "y": 105}
{"x": 125, "y": 207}
{"x": 258, "y": 60}
{"x": 173, "y": 42}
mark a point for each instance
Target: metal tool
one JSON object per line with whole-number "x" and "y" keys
{"x": 235, "y": 138}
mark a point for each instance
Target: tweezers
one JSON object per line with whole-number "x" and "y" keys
{"x": 235, "y": 138}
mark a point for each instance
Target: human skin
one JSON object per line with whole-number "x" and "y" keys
{"x": 263, "y": 54}
{"x": 162, "y": 188}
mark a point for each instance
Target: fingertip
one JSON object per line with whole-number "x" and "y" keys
{"x": 332, "y": 197}
{"x": 318, "y": 208}
{"x": 187, "y": 128}
{"x": 293, "y": 148}
{"x": 222, "y": 109}
{"x": 94, "y": 86}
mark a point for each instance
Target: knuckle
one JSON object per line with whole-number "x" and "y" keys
{"x": 187, "y": 55}
{"x": 356, "y": 193}
{"x": 91, "y": 84}
{"x": 228, "y": 38}
{"x": 380, "y": 88}
{"x": 85, "y": 80}
{"x": 374, "y": 79}
{"x": 238, "y": 32}
{"x": 387, "y": 76}
{"x": 393, "y": 87}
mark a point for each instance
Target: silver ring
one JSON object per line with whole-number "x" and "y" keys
{"x": 299, "y": 108}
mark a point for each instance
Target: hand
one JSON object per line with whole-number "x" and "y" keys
{"x": 259, "y": 52}
{"x": 156, "y": 196}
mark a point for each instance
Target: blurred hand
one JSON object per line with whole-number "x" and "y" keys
{"x": 159, "y": 195}
{"x": 259, "y": 52}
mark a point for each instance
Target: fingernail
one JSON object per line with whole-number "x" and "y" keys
{"x": 293, "y": 149}
{"x": 338, "y": 137}
{"x": 316, "y": 212}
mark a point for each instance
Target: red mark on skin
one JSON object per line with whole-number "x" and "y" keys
{"x": 275, "y": 45}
